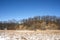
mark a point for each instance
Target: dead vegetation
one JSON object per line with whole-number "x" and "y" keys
{"x": 37, "y": 22}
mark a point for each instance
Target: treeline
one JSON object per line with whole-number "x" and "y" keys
{"x": 41, "y": 23}
{"x": 35, "y": 23}
{"x": 8, "y": 25}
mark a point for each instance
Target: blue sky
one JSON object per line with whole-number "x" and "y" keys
{"x": 21, "y": 9}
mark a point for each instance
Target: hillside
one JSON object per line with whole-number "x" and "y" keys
{"x": 41, "y": 23}
{"x": 34, "y": 23}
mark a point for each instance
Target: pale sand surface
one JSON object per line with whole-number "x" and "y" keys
{"x": 29, "y": 35}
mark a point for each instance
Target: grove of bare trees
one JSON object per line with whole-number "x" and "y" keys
{"x": 37, "y": 22}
